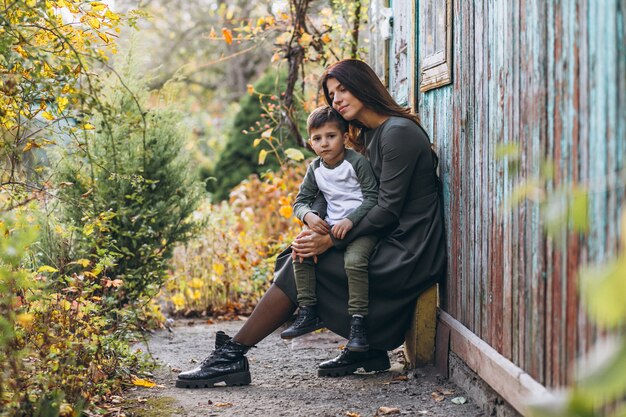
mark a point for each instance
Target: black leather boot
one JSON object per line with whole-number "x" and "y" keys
{"x": 227, "y": 363}
{"x": 358, "y": 337}
{"x": 348, "y": 362}
{"x": 306, "y": 322}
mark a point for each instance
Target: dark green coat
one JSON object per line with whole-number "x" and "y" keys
{"x": 411, "y": 254}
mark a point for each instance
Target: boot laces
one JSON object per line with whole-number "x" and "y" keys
{"x": 357, "y": 330}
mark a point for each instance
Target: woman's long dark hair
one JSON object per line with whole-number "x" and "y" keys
{"x": 363, "y": 83}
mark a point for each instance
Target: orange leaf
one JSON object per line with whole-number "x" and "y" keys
{"x": 228, "y": 36}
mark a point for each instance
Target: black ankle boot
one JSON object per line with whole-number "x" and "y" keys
{"x": 348, "y": 362}
{"x": 227, "y": 363}
{"x": 306, "y": 322}
{"x": 358, "y": 337}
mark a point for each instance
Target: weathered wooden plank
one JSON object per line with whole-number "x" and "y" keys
{"x": 459, "y": 152}
{"x": 583, "y": 128}
{"x": 506, "y": 103}
{"x": 510, "y": 381}
{"x": 483, "y": 123}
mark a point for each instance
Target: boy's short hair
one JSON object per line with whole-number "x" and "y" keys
{"x": 323, "y": 115}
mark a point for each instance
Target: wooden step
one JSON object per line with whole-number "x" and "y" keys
{"x": 419, "y": 345}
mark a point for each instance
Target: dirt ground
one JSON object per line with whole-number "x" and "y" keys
{"x": 285, "y": 381}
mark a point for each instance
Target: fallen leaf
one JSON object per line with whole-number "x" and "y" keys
{"x": 140, "y": 382}
{"x": 388, "y": 410}
{"x": 352, "y": 414}
{"x": 399, "y": 378}
{"x": 437, "y": 396}
{"x": 175, "y": 369}
{"x": 446, "y": 391}
{"x": 459, "y": 400}
{"x": 223, "y": 404}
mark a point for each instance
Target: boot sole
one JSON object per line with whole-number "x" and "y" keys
{"x": 370, "y": 365}
{"x": 241, "y": 378}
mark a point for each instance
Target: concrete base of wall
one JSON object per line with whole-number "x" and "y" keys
{"x": 478, "y": 390}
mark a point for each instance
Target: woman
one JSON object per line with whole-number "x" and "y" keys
{"x": 409, "y": 257}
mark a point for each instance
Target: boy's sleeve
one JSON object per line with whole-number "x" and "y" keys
{"x": 306, "y": 194}
{"x": 369, "y": 188}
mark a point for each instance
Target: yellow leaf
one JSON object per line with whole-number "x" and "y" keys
{"x": 47, "y": 268}
{"x": 82, "y": 262}
{"x": 25, "y": 320}
{"x": 285, "y": 211}
{"x": 62, "y": 103}
{"x": 97, "y": 6}
{"x": 111, "y": 16}
{"x": 142, "y": 382}
{"x": 262, "y": 156}
{"x": 228, "y": 36}
{"x": 218, "y": 268}
{"x": 305, "y": 39}
{"x": 30, "y": 145}
{"x": 294, "y": 154}
{"x": 47, "y": 116}
{"x": 266, "y": 134}
{"x": 196, "y": 283}
{"x": 94, "y": 23}
{"x": 104, "y": 37}
{"x": 88, "y": 229}
{"x": 178, "y": 300}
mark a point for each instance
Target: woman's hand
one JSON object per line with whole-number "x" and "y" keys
{"x": 310, "y": 244}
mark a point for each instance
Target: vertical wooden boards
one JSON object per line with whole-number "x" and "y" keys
{"x": 551, "y": 77}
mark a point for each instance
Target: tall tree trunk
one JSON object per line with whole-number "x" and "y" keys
{"x": 355, "y": 30}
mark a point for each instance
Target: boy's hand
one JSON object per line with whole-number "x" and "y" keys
{"x": 316, "y": 224}
{"x": 342, "y": 227}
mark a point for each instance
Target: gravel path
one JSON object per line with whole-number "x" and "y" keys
{"x": 285, "y": 381}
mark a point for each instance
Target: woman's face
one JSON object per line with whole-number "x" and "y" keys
{"x": 343, "y": 101}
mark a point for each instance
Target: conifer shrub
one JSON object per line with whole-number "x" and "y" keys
{"x": 130, "y": 191}
{"x": 240, "y": 158}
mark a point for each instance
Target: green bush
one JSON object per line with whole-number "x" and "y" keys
{"x": 240, "y": 158}
{"x": 130, "y": 192}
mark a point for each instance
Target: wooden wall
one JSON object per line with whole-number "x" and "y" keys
{"x": 550, "y": 76}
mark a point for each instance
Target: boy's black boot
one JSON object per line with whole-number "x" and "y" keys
{"x": 358, "y": 337}
{"x": 227, "y": 363}
{"x": 306, "y": 322}
{"x": 348, "y": 362}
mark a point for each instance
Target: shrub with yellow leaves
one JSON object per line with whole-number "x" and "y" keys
{"x": 228, "y": 267}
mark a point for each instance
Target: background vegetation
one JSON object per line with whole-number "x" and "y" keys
{"x": 103, "y": 158}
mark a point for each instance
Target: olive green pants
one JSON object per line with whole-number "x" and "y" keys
{"x": 356, "y": 260}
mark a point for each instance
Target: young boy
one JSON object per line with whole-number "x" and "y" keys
{"x": 348, "y": 184}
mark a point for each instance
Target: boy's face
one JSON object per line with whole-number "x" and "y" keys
{"x": 328, "y": 142}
